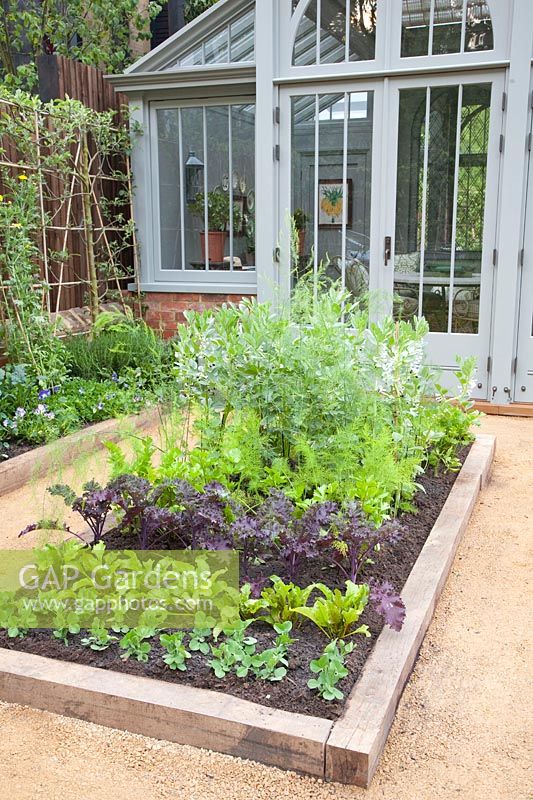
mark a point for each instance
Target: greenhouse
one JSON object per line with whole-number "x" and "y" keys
{"x": 384, "y": 142}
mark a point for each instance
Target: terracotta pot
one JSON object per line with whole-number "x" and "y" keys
{"x": 301, "y": 242}
{"x": 217, "y": 241}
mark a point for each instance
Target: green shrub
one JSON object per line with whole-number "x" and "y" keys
{"x": 117, "y": 352}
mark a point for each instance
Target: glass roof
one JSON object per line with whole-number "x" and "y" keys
{"x": 232, "y": 44}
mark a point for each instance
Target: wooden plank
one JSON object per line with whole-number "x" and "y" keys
{"x": 163, "y": 710}
{"x": 358, "y": 737}
{"x": 17, "y": 471}
{"x": 507, "y": 410}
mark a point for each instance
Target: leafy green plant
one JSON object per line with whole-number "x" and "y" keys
{"x": 269, "y": 664}
{"x": 98, "y": 638}
{"x": 176, "y": 653}
{"x": 230, "y": 653}
{"x": 66, "y": 625}
{"x": 218, "y": 210}
{"x": 337, "y": 613}
{"x": 134, "y": 644}
{"x": 76, "y": 34}
{"x": 282, "y": 601}
{"x": 329, "y": 669}
{"x": 28, "y": 332}
{"x": 250, "y": 606}
{"x": 198, "y": 640}
{"x": 128, "y": 350}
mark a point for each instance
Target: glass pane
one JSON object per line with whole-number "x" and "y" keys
{"x": 334, "y": 200}
{"x": 219, "y": 180}
{"x": 472, "y": 182}
{"x": 440, "y": 182}
{"x": 440, "y": 205}
{"x": 192, "y": 132}
{"x": 415, "y": 27}
{"x": 362, "y": 30}
{"x": 243, "y": 163}
{"x": 332, "y": 31}
{"x": 193, "y": 59}
{"x": 478, "y": 34}
{"x": 216, "y": 48}
{"x": 359, "y": 160}
{"x": 447, "y": 26}
{"x": 302, "y": 180}
{"x": 168, "y": 144}
{"x": 326, "y": 194}
{"x": 242, "y": 35}
{"x": 305, "y": 42}
{"x": 409, "y": 201}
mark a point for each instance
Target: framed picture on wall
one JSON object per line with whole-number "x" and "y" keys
{"x": 331, "y": 202}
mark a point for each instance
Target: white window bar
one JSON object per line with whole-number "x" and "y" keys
{"x": 463, "y": 27}
{"x": 316, "y": 187}
{"x": 347, "y": 31}
{"x": 206, "y": 212}
{"x": 431, "y": 23}
{"x": 424, "y": 202}
{"x": 318, "y": 31}
{"x": 230, "y": 167}
{"x": 183, "y": 176}
{"x": 347, "y": 98}
{"x": 455, "y": 201}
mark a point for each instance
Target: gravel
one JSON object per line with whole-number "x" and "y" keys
{"x": 463, "y": 725}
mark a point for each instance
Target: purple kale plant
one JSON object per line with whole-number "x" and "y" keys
{"x": 354, "y": 541}
{"x": 388, "y": 603}
{"x": 94, "y": 505}
{"x": 296, "y": 536}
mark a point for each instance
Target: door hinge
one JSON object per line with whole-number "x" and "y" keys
{"x": 277, "y": 152}
{"x": 489, "y": 364}
{"x": 276, "y": 255}
{"x": 502, "y": 142}
{"x": 522, "y": 257}
{"x": 529, "y": 141}
{"x": 277, "y": 115}
{"x": 494, "y": 257}
{"x": 514, "y": 365}
{"x": 504, "y": 101}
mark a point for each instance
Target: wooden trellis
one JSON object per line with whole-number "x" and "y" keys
{"x": 86, "y": 239}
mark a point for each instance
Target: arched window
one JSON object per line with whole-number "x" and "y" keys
{"x": 333, "y": 31}
{"x": 440, "y": 27}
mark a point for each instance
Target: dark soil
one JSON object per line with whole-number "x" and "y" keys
{"x": 13, "y": 449}
{"x": 394, "y": 564}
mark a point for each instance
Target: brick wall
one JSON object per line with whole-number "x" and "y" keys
{"x": 164, "y": 310}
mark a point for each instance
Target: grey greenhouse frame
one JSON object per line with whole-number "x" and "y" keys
{"x": 397, "y": 132}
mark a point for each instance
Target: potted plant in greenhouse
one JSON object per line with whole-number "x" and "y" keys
{"x": 218, "y": 217}
{"x": 300, "y": 219}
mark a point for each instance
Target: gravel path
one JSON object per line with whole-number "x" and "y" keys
{"x": 462, "y": 726}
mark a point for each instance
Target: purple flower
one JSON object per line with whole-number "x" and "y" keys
{"x": 114, "y": 377}
{"x": 20, "y": 412}
{"x": 40, "y": 410}
{"x": 44, "y": 393}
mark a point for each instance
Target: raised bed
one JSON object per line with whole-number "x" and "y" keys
{"x": 346, "y": 750}
{"x": 35, "y": 463}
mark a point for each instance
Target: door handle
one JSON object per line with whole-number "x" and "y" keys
{"x": 388, "y": 249}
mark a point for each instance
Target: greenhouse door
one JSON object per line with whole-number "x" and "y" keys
{"x": 330, "y": 174}
{"x": 441, "y": 195}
